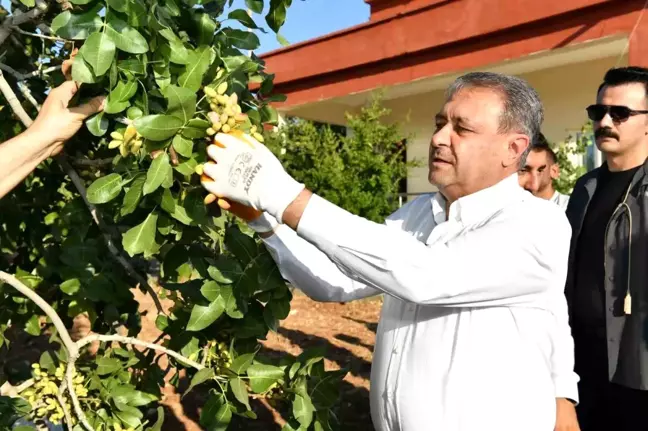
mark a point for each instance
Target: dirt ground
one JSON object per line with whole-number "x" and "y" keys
{"x": 347, "y": 331}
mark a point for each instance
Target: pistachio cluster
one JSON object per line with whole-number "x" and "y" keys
{"x": 226, "y": 113}
{"x": 128, "y": 143}
{"x": 218, "y": 356}
{"x": 42, "y": 395}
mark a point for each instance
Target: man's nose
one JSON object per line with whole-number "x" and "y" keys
{"x": 441, "y": 137}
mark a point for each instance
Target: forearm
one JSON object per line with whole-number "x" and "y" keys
{"x": 310, "y": 270}
{"x": 19, "y": 156}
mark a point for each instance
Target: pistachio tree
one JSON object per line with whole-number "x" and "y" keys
{"x": 122, "y": 209}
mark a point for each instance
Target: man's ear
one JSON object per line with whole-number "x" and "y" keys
{"x": 554, "y": 171}
{"x": 517, "y": 145}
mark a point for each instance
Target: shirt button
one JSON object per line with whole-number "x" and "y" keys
{"x": 611, "y": 278}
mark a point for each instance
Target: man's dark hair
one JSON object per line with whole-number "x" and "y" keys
{"x": 540, "y": 144}
{"x": 625, "y": 75}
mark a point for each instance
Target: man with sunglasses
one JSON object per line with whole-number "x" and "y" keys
{"x": 607, "y": 285}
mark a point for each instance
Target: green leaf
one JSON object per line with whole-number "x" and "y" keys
{"x": 28, "y": 3}
{"x": 210, "y": 290}
{"x": 242, "y": 39}
{"x": 240, "y": 391}
{"x": 119, "y": 5}
{"x": 81, "y": 71}
{"x": 235, "y": 62}
{"x": 48, "y": 361}
{"x": 162, "y": 74}
{"x": 105, "y": 189}
{"x": 161, "y": 322}
{"x": 157, "y": 127}
{"x": 132, "y": 65}
{"x": 269, "y": 115}
{"x": 280, "y": 308}
{"x": 241, "y": 16}
{"x": 108, "y": 365}
{"x": 157, "y": 173}
{"x": 141, "y": 238}
{"x": 175, "y": 52}
{"x": 157, "y": 426}
{"x": 97, "y": 124}
{"x": 263, "y": 376}
{"x": 131, "y": 417}
{"x": 77, "y": 26}
{"x": 127, "y": 394}
{"x": 125, "y": 37}
{"x": 277, "y": 14}
{"x": 181, "y": 102}
{"x": 200, "y": 377}
{"x": 32, "y": 327}
{"x": 182, "y": 145}
{"x": 206, "y": 29}
{"x": 133, "y": 195}
{"x": 123, "y": 91}
{"x": 134, "y": 113}
{"x": 216, "y": 414}
{"x": 242, "y": 363}
{"x": 201, "y": 316}
{"x": 98, "y": 51}
{"x": 115, "y": 107}
{"x": 195, "y": 70}
{"x": 196, "y": 128}
{"x": 255, "y": 6}
{"x": 71, "y": 286}
{"x": 303, "y": 410}
{"x": 243, "y": 246}
{"x": 282, "y": 40}
{"x": 168, "y": 202}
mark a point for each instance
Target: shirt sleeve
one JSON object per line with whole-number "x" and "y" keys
{"x": 311, "y": 271}
{"x": 509, "y": 260}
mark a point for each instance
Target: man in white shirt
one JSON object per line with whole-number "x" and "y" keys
{"x": 540, "y": 171}
{"x": 473, "y": 334}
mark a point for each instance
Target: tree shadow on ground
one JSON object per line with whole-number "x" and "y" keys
{"x": 372, "y": 326}
{"x": 352, "y": 409}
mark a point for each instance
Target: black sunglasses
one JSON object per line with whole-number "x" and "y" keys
{"x": 618, "y": 113}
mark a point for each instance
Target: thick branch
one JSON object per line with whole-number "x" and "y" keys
{"x": 90, "y": 162}
{"x": 18, "y": 19}
{"x": 135, "y": 342}
{"x": 13, "y": 101}
{"x": 23, "y": 76}
{"x": 28, "y": 95}
{"x": 43, "y": 305}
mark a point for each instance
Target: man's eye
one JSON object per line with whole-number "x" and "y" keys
{"x": 460, "y": 129}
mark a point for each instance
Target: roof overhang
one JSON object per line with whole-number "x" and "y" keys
{"x": 423, "y": 39}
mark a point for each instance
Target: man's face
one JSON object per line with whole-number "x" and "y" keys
{"x": 467, "y": 151}
{"x": 620, "y": 137}
{"x": 538, "y": 174}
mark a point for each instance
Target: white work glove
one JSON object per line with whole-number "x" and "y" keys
{"x": 265, "y": 223}
{"x": 248, "y": 173}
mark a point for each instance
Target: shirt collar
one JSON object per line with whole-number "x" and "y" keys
{"x": 479, "y": 205}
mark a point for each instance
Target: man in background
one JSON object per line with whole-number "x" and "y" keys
{"x": 607, "y": 283}
{"x": 540, "y": 171}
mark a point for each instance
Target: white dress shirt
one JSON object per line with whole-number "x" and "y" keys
{"x": 560, "y": 200}
{"x": 473, "y": 334}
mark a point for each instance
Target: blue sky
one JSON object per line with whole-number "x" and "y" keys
{"x": 311, "y": 18}
{"x": 306, "y": 19}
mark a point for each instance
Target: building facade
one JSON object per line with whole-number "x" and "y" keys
{"x": 412, "y": 49}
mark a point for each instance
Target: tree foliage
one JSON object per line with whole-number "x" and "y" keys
{"x": 361, "y": 172}
{"x": 567, "y": 152}
{"x": 174, "y": 73}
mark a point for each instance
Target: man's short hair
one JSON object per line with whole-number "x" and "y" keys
{"x": 523, "y": 111}
{"x": 541, "y": 144}
{"x": 625, "y": 75}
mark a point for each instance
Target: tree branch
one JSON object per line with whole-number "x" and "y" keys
{"x": 136, "y": 342}
{"x": 96, "y": 216}
{"x": 90, "y": 162}
{"x": 41, "y": 36}
{"x": 28, "y": 95}
{"x": 18, "y": 19}
{"x": 13, "y": 101}
{"x": 43, "y": 305}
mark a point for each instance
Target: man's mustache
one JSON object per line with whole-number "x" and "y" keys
{"x": 605, "y": 132}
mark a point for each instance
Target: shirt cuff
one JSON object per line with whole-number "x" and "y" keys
{"x": 566, "y": 388}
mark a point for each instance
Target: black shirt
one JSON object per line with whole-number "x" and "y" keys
{"x": 589, "y": 294}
